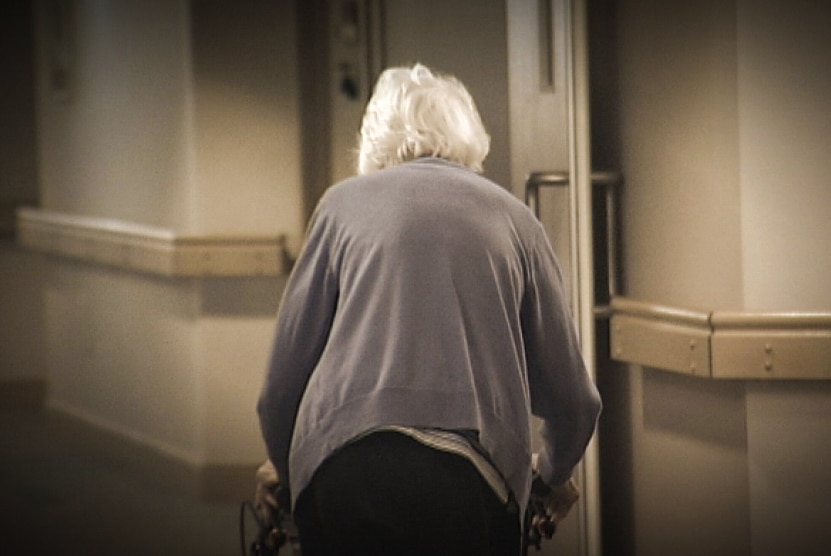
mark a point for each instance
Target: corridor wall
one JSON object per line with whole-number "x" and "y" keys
{"x": 174, "y": 135}
{"x": 717, "y": 115}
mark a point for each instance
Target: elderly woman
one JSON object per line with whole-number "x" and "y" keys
{"x": 425, "y": 321}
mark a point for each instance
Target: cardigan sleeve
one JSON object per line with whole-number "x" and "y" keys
{"x": 562, "y": 392}
{"x": 303, "y": 323}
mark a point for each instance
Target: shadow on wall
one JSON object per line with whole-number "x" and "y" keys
{"x": 712, "y": 411}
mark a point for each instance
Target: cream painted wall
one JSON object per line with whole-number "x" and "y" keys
{"x": 120, "y": 351}
{"x": 789, "y": 446}
{"x": 180, "y": 115}
{"x": 245, "y": 117}
{"x": 681, "y": 236}
{"x": 681, "y": 211}
{"x": 785, "y": 129}
{"x": 172, "y": 364}
{"x": 722, "y": 134}
{"x": 785, "y": 137}
{"x": 690, "y": 466}
{"x": 116, "y": 143}
{"x": 235, "y": 332}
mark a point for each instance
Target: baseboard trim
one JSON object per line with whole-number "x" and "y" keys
{"x": 217, "y": 483}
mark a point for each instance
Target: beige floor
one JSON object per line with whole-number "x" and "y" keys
{"x": 66, "y": 489}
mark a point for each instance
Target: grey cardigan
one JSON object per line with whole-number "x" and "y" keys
{"x": 426, "y": 296}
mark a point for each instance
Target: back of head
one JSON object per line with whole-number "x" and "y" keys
{"x": 414, "y": 113}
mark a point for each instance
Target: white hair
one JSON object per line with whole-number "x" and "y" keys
{"x": 414, "y": 113}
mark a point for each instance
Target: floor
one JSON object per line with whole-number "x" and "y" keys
{"x": 67, "y": 489}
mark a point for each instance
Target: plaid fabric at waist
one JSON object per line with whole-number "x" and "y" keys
{"x": 461, "y": 444}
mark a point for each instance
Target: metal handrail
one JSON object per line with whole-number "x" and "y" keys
{"x": 610, "y": 181}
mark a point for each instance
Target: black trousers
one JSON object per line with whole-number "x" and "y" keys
{"x": 389, "y": 494}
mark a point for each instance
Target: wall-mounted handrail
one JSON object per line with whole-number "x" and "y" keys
{"x": 140, "y": 248}
{"x": 658, "y": 312}
{"x": 785, "y": 320}
{"x": 789, "y": 345}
